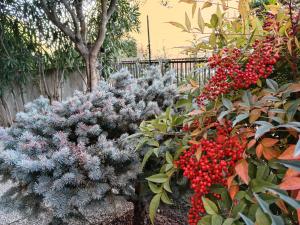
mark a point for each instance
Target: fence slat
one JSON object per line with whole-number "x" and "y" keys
{"x": 183, "y": 68}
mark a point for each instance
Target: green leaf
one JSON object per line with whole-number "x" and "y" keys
{"x": 169, "y": 158}
{"x": 246, "y": 219}
{"x": 294, "y": 164}
{"x": 205, "y": 220}
{"x": 146, "y": 158}
{"x": 261, "y": 218}
{"x": 158, "y": 178}
{"x": 258, "y": 185}
{"x": 228, "y": 221}
{"x": 154, "y": 206}
{"x": 153, "y": 143}
{"x": 154, "y": 188}
{"x": 216, "y": 220}
{"x": 165, "y": 198}
{"x": 227, "y": 103}
{"x": 240, "y": 118}
{"x": 276, "y": 220}
{"x": 214, "y": 20}
{"x": 141, "y": 143}
{"x": 240, "y": 207}
{"x": 291, "y": 111}
{"x": 167, "y": 187}
{"x": 212, "y": 39}
{"x": 272, "y": 84}
{"x": 210, "y": 206}
{"x": 294, "y": 203}
{"x": 247, "y": 98}
{"x": 201, "y": 23}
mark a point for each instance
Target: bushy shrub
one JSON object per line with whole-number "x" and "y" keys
{"x": 68, "y": 155}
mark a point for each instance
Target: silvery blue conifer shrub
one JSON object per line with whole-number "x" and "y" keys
{"x": 69, "y": 155}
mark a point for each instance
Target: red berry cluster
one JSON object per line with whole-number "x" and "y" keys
{"x": 233, "y": 73}
{"x": 218, "y": 158}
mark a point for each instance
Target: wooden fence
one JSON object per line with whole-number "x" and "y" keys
{"x": 184, "y": 68}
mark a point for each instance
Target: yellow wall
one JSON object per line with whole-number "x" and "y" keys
{"x": 164, "y": 35}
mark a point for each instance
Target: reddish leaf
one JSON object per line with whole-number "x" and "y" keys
{"x": 280, "y": 203}
{"x": 233, "y": 190}
{"x": 269, "y": 142}
{"x": 242, "y": 170}
{"x": 259, "y": 150}
{"x": 288, "y": 154}
{"x": 291, "y": 173}
{"x": 251, "y": 143}
{"x": 230, "y": 180}
{"x": 290, "y": 183}
{"x": 269, "y": 153}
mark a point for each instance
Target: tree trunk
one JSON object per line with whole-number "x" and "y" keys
{"x": 91, "y": 72}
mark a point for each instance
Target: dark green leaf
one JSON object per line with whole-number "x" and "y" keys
{"x": 286, "y": 198}
{"x": 240, "y": 118}
{"x": 276, "y": 220}
{"x": 294, "y": 164}
{"x": 227, "y": 103}
{"x": 272, "y": 84}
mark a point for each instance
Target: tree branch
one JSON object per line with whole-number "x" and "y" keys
{"x": 80, "y": 16}
{"x": 52, "y": 15}
{"x": 74, "y": 19}
{"x": 111, "y": 8}
{"x": 105, "y": 16}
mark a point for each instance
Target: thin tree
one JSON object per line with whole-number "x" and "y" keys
{"x": 73, "y": 23}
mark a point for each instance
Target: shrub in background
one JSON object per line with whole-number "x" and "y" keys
{"x": 69, "y": 155}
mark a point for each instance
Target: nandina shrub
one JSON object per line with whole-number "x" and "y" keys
{"x": 210, "y": 161}
{"x": 239, "y": 70}
{"x": 74, "y": 155}
{"x": 235, "y": 155}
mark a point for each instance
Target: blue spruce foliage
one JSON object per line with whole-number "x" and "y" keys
{"x": 69, "y": 155}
